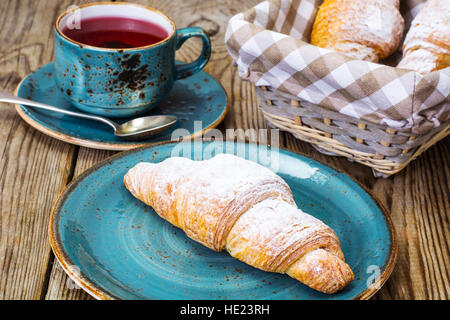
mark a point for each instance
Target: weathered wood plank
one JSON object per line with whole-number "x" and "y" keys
{"x": 418, "y": 200}
{"x": 34, "y": 167}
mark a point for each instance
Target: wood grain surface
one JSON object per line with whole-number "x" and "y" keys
{"x": 35, "y": 168}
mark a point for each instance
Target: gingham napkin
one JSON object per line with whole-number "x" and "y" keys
{"x": 269, "y": 45}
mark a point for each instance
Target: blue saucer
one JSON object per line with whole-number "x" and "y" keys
{"x": 116, "y": 247}
{"x": 199, "y": 102}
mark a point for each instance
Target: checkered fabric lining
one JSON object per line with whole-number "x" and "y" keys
{"x": 269, "y": 45}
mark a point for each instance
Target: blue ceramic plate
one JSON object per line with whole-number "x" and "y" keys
{"x": 115, "y": 246}
{"x": 199, "y": 102}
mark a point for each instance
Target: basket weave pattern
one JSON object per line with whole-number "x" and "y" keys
{"x": 375, "y": 114}
{"x": 385, "y": 150}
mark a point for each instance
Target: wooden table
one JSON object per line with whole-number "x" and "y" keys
{"x": 35, "y": 168}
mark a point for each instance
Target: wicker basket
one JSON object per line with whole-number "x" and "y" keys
{"x": 374, "y": 114}
{"x": 379, "y": 147}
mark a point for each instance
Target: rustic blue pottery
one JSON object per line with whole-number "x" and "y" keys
{"x": 122, "y": 82}
{"x": 116, "y": 247}
{"x": 199, "y": 102}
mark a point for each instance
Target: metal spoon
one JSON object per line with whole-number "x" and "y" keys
{"x": 136, "y": 129}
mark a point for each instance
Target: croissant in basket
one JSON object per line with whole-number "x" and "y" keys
{"x": 362, "y": 29}
{"x": 427, "y": 43}
{"x": 240, "y": 206}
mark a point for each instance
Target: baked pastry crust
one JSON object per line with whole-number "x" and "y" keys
{"x": 427, "y": 43}
{"x": 240, "y": 206}
{"x": 366, "y": 30}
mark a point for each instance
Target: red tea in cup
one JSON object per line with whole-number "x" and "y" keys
{"x": 117, "y": 59}
{"x": 116, "y": 32}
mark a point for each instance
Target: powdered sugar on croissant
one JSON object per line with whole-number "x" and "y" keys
{"x": 234, "y": 204}
{"x": 427, "y": 43}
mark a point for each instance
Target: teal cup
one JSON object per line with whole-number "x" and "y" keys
{"x": 121, "y": 82}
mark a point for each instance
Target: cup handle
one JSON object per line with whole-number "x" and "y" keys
{"x": 188, "y": 69}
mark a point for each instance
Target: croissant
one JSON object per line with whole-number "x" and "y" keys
{"x": 427, "y": 44}
{"x": 231, "y": 203}
{"x": 362, "y": 29}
